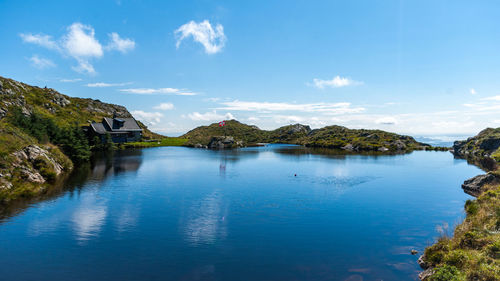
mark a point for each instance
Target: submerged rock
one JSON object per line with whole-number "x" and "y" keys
{"x": 475, "y": 186}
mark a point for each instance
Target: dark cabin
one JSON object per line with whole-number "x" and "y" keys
{"x": 120, "y": 129}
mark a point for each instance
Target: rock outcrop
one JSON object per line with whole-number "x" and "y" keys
{"x": 220, "y": 142}
{"x": 483, "y": 149}
{"x": 475, "y": 186}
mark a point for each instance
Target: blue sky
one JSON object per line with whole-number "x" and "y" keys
{"x": 413, "y": 67}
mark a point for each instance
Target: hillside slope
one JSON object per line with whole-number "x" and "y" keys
{"x": 39, "y": 133}
{"x": 239, "y": 134}
{"x": 482, "y": 149}
{"x": 473, "y": 252}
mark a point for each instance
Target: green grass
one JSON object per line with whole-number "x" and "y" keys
{"x": 167, "y": 141}
{"x": 473, "y": 253}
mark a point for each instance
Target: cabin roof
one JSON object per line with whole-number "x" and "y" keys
{"x": 129, "y": 124}
{"x": 98, "y": 128}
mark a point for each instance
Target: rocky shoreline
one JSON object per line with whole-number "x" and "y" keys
{"x": 471, "y": 253}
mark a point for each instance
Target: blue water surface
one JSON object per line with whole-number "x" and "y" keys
{"x": 268, "y": 213}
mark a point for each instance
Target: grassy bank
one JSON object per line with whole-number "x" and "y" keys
{"x": 168, "y": 141}
{"x": 473, "y": 253}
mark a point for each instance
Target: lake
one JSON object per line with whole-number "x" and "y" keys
{"x": 278, "y": 212}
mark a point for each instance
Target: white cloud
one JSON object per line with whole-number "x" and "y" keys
{"x": 335, "y": 82}
{"x": 122, "y": 45}
{"x": 40, "y": 39}
{"x": 41, "y": 63}
{"x": 210, "y": 116}
{"x": 472, "y": 91}
{"x": 70, "y": 80}
{"x": 493, "y": 98}
{"x": 102, "y": 84}
{"x": 212, "y": 40}
{"x": 164, "y": 106}
{"x": 148, "y": 118}
{"x": 151, "y": 91}
{"x": 80, "y": 43}
{"x": 388, "y": 120}
{"x": 326, "y": 108}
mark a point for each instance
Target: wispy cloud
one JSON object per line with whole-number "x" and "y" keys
{"x": 123, "y": 45}
{"x": 212, "y": 39}
{"x": 493, "y": 98}
{"x": 103, "y": 85}
{"x": 164, "y": 91}
{"x": 41, "y": 40}
{"x": 387, "y": 120}
{"x": 148, "y": 118}
{"x": 325, "y": 108}
{"x": 210, "y": 116}
{"x": 335, "y": 82}
{"x": 70, "y": 80}
{"x": 164, "y": 106}
{"x": 80, "y": 43}
{"x": 41, "y": 63}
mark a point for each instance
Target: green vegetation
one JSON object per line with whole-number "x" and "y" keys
{"x": 328, "y": 137}
{"x": 473, "y": 253}
{"x": 50, "y": 124}
{"x": 482, "y": 150}
{"x": 71, "y": 139}
{"x": 165, "y": 141}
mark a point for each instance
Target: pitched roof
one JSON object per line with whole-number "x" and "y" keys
{"x": 129, "y": 124}
{"x": 98, "y": 128}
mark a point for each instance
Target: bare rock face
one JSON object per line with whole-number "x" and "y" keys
{"x": 219, "y": 142}
{"x": 299, "y": 128}
{"x": 475, "y": 186}
{"x": 424, "y": 275}
{"x": 26, "y": 159}
{"x": 33, "y": 152}
{"x": 31, "y": 175}
{"x": 59, "y": 99}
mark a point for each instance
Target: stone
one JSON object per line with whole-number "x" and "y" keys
{"x": 5, "y": 185}
{"x": 426, "y": 274}
{"x": 414, "y": 252}
{"x": 220, "y": 142}
{"x": 421, "y": 261}
{"x": 383, "y": 149}
{"x": 348, "y": 147}
{"x": 400, "y": 145}
{"x": 31, "y": 175}
{"x": 475, "y": 186}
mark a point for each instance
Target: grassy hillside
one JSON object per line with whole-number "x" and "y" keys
{"x": 41, "y": 136}
{"x": 328, "y": 137}
{"x": 473, "y": 252}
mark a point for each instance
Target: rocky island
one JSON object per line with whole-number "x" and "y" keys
{"x": 236, "y": 134}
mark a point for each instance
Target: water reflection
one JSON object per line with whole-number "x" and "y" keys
{"x": 89, "y": 217}
{"x": 206, "y": 221}
{"x": 101, "y": 167}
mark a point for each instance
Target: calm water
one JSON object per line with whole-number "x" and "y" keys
{"x": 187, "y": 214}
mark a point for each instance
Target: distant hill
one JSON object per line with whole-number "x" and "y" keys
{"x": 239, "y": 134}
{"x": 41, "y": 136}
